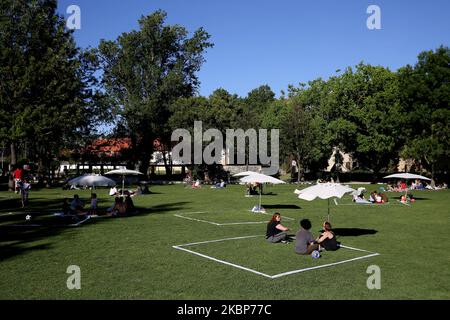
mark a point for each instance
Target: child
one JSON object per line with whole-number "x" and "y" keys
{"x": 24, "y": 191}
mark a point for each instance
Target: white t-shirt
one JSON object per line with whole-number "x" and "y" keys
{"x": 112, "y": 191}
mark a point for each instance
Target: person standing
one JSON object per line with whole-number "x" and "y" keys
{"x": 293, "y": 170}
{"x": 24, "y": 192}
{"x": 18, "y": 177}
{"x": 276, "y": 232}
{"x": 304, "y": 241}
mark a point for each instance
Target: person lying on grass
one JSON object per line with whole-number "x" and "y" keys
{"x": 327, "y": 239}
{"x": 305, "y": 243}
{"x": 276, "y": 232}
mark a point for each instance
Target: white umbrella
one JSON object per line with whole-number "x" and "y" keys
{"x": 123, "y": 173}
{"x": 260, "y": 178}
{"x": 324, "y": 191}
{"x": 244, "y": 173}
{"x": 406, "y": 176}
{"x": 92, "y": 181}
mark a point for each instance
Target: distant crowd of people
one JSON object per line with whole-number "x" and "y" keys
{"x": 417, "y": 184}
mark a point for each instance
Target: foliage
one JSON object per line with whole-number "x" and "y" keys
{"x": 147, "y": 70}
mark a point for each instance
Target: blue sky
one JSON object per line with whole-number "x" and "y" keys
{"x": 280, "y": 42}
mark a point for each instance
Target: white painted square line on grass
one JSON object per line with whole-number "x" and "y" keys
{"x": 181, "y": 215}
{"x": 181, "y": 247}
{"x": 42, "y": 225}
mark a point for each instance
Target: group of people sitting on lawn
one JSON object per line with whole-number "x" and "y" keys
{"x": 401, "y": 186}
{"x": 197, "y": 184}
{"x": 219, "y": 184}
{"x": 374, "y": 197}
{"x": 132, "y": 193}
{"x": 378, "y": 197}
{"x": 123, "y": 206}
{"x": 305, "y": 243}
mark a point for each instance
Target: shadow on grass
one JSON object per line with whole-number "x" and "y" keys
{"x": 9, "y": 251}
{"x": 167, "y": 207}
{"x": 418, "y": 198}
{"x": 17, "y": 236}
{"x": 353, "y": 232}
{"x": 281, "y": 206}
{"x": 12, "y": 210}
{"x": 269, "y": 194}
{"x": 15, "y": 241}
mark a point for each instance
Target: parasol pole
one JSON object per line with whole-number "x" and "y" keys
{"x": 260, "y": 201}
{"x": 123, "y": 183}
{"x": 328, "y": 210}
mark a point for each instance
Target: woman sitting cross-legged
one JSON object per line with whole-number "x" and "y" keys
{"x": 276, "y": 232}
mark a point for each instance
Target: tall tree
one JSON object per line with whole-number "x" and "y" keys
{"x": 361, "y": 110}
{"x": 300, "y": 134}
{"x": 254, "y": 107}
{"x": 425, "y": 98}
{"x": 147, "y": 70}
{"x": 47, "y": 93}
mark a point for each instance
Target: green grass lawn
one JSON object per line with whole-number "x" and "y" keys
{"x": 135, "y": 257}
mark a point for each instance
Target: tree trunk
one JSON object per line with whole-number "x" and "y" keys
{"x": 432, "y": 171}
{"x": 13, "y": 162}
{"x": 299, "y": 173}
{"x": 13, "y": 154}
{"x": 167, "y": 165}
{"x": 144, "y": 163}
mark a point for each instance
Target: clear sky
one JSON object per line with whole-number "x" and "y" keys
{"x": 280, "y": 42}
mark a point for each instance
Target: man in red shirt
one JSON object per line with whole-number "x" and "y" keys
{"x": 18, "y": 177}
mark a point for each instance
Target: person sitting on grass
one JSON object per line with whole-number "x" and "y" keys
{"x": 373, "y": 196}
{"x": 327, "y": 239}
{"x": 197, "y": 184}
{"x": 276, "y": 232}
{"x": 305, "y": 243}
{"x": 76, "y": 206}
{"x": 219, "y": 185}
{"x": 66, "y": 207}
{"x": 129, "y": 205}
{"x": 138, "y": 192}
{"x": 119, "y": 209}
